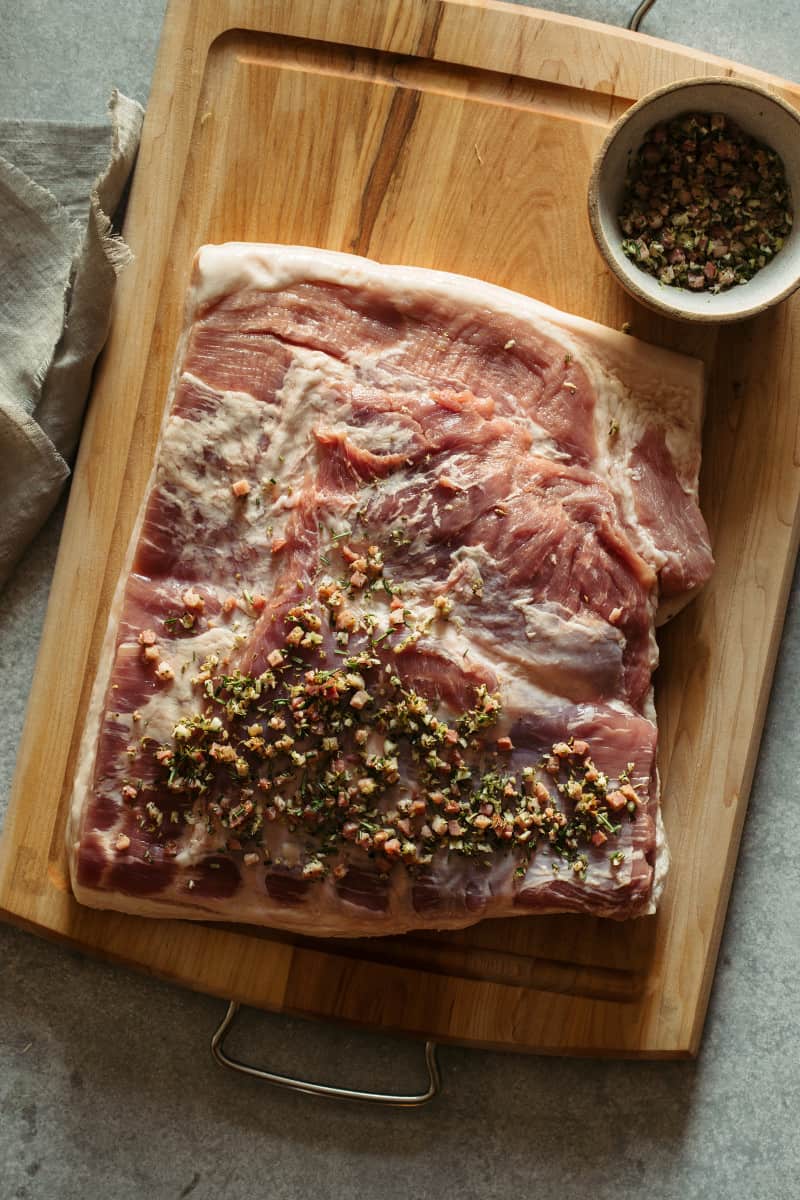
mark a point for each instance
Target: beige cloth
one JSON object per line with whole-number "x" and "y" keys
{"x": 59, "y": 260}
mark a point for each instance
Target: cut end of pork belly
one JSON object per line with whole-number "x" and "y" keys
{"x": 381, "y": 657}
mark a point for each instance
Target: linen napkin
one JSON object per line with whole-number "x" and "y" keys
{"x": 60, "y": 186}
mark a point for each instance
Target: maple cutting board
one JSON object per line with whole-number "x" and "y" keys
{"x": 458, "y": 136}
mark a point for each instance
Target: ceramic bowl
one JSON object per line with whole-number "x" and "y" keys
{"x": 760, "y": 113}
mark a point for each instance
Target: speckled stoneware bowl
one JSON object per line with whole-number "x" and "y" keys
{"x": 760, "y": 113}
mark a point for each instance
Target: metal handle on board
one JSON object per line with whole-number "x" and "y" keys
{"x": 322, "y": 1089}
{"x": 639, "y": 15}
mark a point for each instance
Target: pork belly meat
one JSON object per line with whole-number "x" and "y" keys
{"x": 381, "y": 657}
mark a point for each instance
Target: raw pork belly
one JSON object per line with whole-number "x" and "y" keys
{"x": 381, "y": 657}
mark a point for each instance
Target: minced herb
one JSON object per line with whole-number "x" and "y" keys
{"x": 345, "y": 753}
{"x": 706, "y": 205}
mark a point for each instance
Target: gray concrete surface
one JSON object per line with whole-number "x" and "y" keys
{"x": 106, "y": 1085}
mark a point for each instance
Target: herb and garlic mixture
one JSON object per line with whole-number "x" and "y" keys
{"x": 330, "y": 744}
{"x": 706, "y": 205}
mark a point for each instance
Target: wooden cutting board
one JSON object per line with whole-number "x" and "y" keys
{"x": 459, "y": 136}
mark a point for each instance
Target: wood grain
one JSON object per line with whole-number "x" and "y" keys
{"x": 460, "y": 136}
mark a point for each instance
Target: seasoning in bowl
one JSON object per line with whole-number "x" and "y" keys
{"x": 706, "y": 205}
